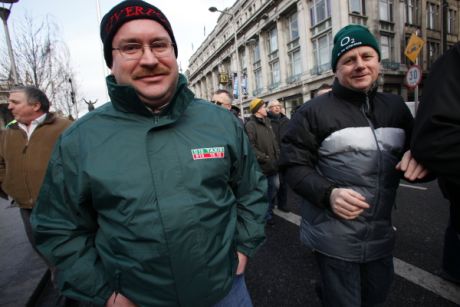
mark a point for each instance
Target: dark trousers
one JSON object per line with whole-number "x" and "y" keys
{"x": 352, "y": 284}
{"x": 281, "y": 197}
{"x": 451, "y": 255}
{"x": 273, "y": 185}
{"x": 25, "y": 216}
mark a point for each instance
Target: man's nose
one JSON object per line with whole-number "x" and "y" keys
{"x": 359, "y": 62}
{"x": 148, "y": 57}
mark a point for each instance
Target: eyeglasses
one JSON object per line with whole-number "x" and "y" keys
{"x": 216, "y": 102}
{"x": 134, "y": 51}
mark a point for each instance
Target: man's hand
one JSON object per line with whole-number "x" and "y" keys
{"x": 242, "y": 261}
{"x": 347, "y": 204}
{"x": 411, "y": 168}
{"x": 119, "y": 300}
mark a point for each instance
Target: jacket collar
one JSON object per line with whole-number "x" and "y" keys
{"x": 50, "y": 118}
{"x": 275, "y": 117}
{"x": 355, "y": 97}
{"x": 259, "y": 120}
{"x": 125, "y": 99}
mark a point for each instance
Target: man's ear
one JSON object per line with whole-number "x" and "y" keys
{"x": 37, "y": 106}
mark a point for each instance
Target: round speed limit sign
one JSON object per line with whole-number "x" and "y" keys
{"x": 413, "y": 76}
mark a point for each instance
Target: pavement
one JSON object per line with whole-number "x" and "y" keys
{"x": 21, "y": 269}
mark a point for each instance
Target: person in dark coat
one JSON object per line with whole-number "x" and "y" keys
{"x": 279, "y": 123}
{"x": 436, "y": 144}
{"x": 266, "y": 148}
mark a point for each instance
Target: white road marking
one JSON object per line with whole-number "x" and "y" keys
{"x": 410, "y": 186}
{"x": 424, "y": 279}
{"x": 429, "y": 281}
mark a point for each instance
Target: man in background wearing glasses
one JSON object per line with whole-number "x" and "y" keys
{"x": 155, "y": 198}
{"x": 224, "y": 99}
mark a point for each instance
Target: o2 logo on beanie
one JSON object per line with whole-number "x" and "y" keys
{"x": 348, "y": 43}
{"x": 347, "y": 40}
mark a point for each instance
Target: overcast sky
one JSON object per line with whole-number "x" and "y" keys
{"x": 79, "y": 28}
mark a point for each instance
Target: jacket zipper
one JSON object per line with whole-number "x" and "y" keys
{"x": 117, "y": 285}
{"x": 366, "y": 110}
{"x": 24, "y": 152}
{"x": 24, "y": 162}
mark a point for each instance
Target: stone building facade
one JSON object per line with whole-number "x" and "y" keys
{"x": 284, "y": 46}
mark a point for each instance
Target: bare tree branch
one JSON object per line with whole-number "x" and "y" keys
{"x": 43, "y": 60}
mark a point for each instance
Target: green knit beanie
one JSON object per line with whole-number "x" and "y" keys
{"x": 349, "y": 37}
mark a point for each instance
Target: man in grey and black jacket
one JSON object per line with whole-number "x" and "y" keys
{"x": 343, "y": 153}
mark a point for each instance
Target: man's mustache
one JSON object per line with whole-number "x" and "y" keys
{"x": 151, "y": 72}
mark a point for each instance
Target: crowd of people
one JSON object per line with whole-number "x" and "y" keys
{"x": 159, "y": 198}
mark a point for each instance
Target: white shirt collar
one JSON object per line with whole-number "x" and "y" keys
{"x": 33, "y": 125}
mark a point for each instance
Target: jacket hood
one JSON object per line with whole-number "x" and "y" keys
{"x": 125, "y": 99}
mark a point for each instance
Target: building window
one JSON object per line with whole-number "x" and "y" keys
{"x": 272, "y": 40}
{"x": 257, "y": 68}
{"x": 295, "y": 64}
{"x": 293, "y": 27}
{"x": 319, "y": 11}
{"x": 275, "y": 73}
{"x": 411, "y": 14}
{"x": 356, "y": 6}
{"x": 386, "y": 47}
{"x": 451, "y": 21}
{"x": 322, "y": 48}
{"x": 386, "y": 10}
{"x": 431, "y": 15}
{"x": 433, "y": 52}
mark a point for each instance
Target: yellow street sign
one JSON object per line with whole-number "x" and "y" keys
{"x": 414, "y": 46}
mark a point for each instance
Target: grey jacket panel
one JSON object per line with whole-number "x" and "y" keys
{"x": 362, "y": 159}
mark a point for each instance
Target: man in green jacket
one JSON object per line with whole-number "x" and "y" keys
{"x": 155, "y": 198}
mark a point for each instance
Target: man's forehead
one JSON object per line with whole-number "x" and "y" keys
{"x": 359, "y": 51}
{"x": 221, "y": 96}
{"x": 17, "y": 95}
{"x": 141, "y": 28}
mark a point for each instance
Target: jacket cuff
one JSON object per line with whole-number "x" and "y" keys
{"x": 326, "y": 201}
{"x": 101, "y": 300}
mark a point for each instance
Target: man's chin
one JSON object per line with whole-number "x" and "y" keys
{"x": 154, "y": 99}
{"x": 362, "y": 87}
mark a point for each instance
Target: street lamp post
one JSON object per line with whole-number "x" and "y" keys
{"x": 4, "y": 13}
{"x": 73, "y": 98}
{"x": 237, "y": 56}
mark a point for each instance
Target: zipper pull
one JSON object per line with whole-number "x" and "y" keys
{"x": 117, "y": 286}
{"x": 367, "y": 107}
